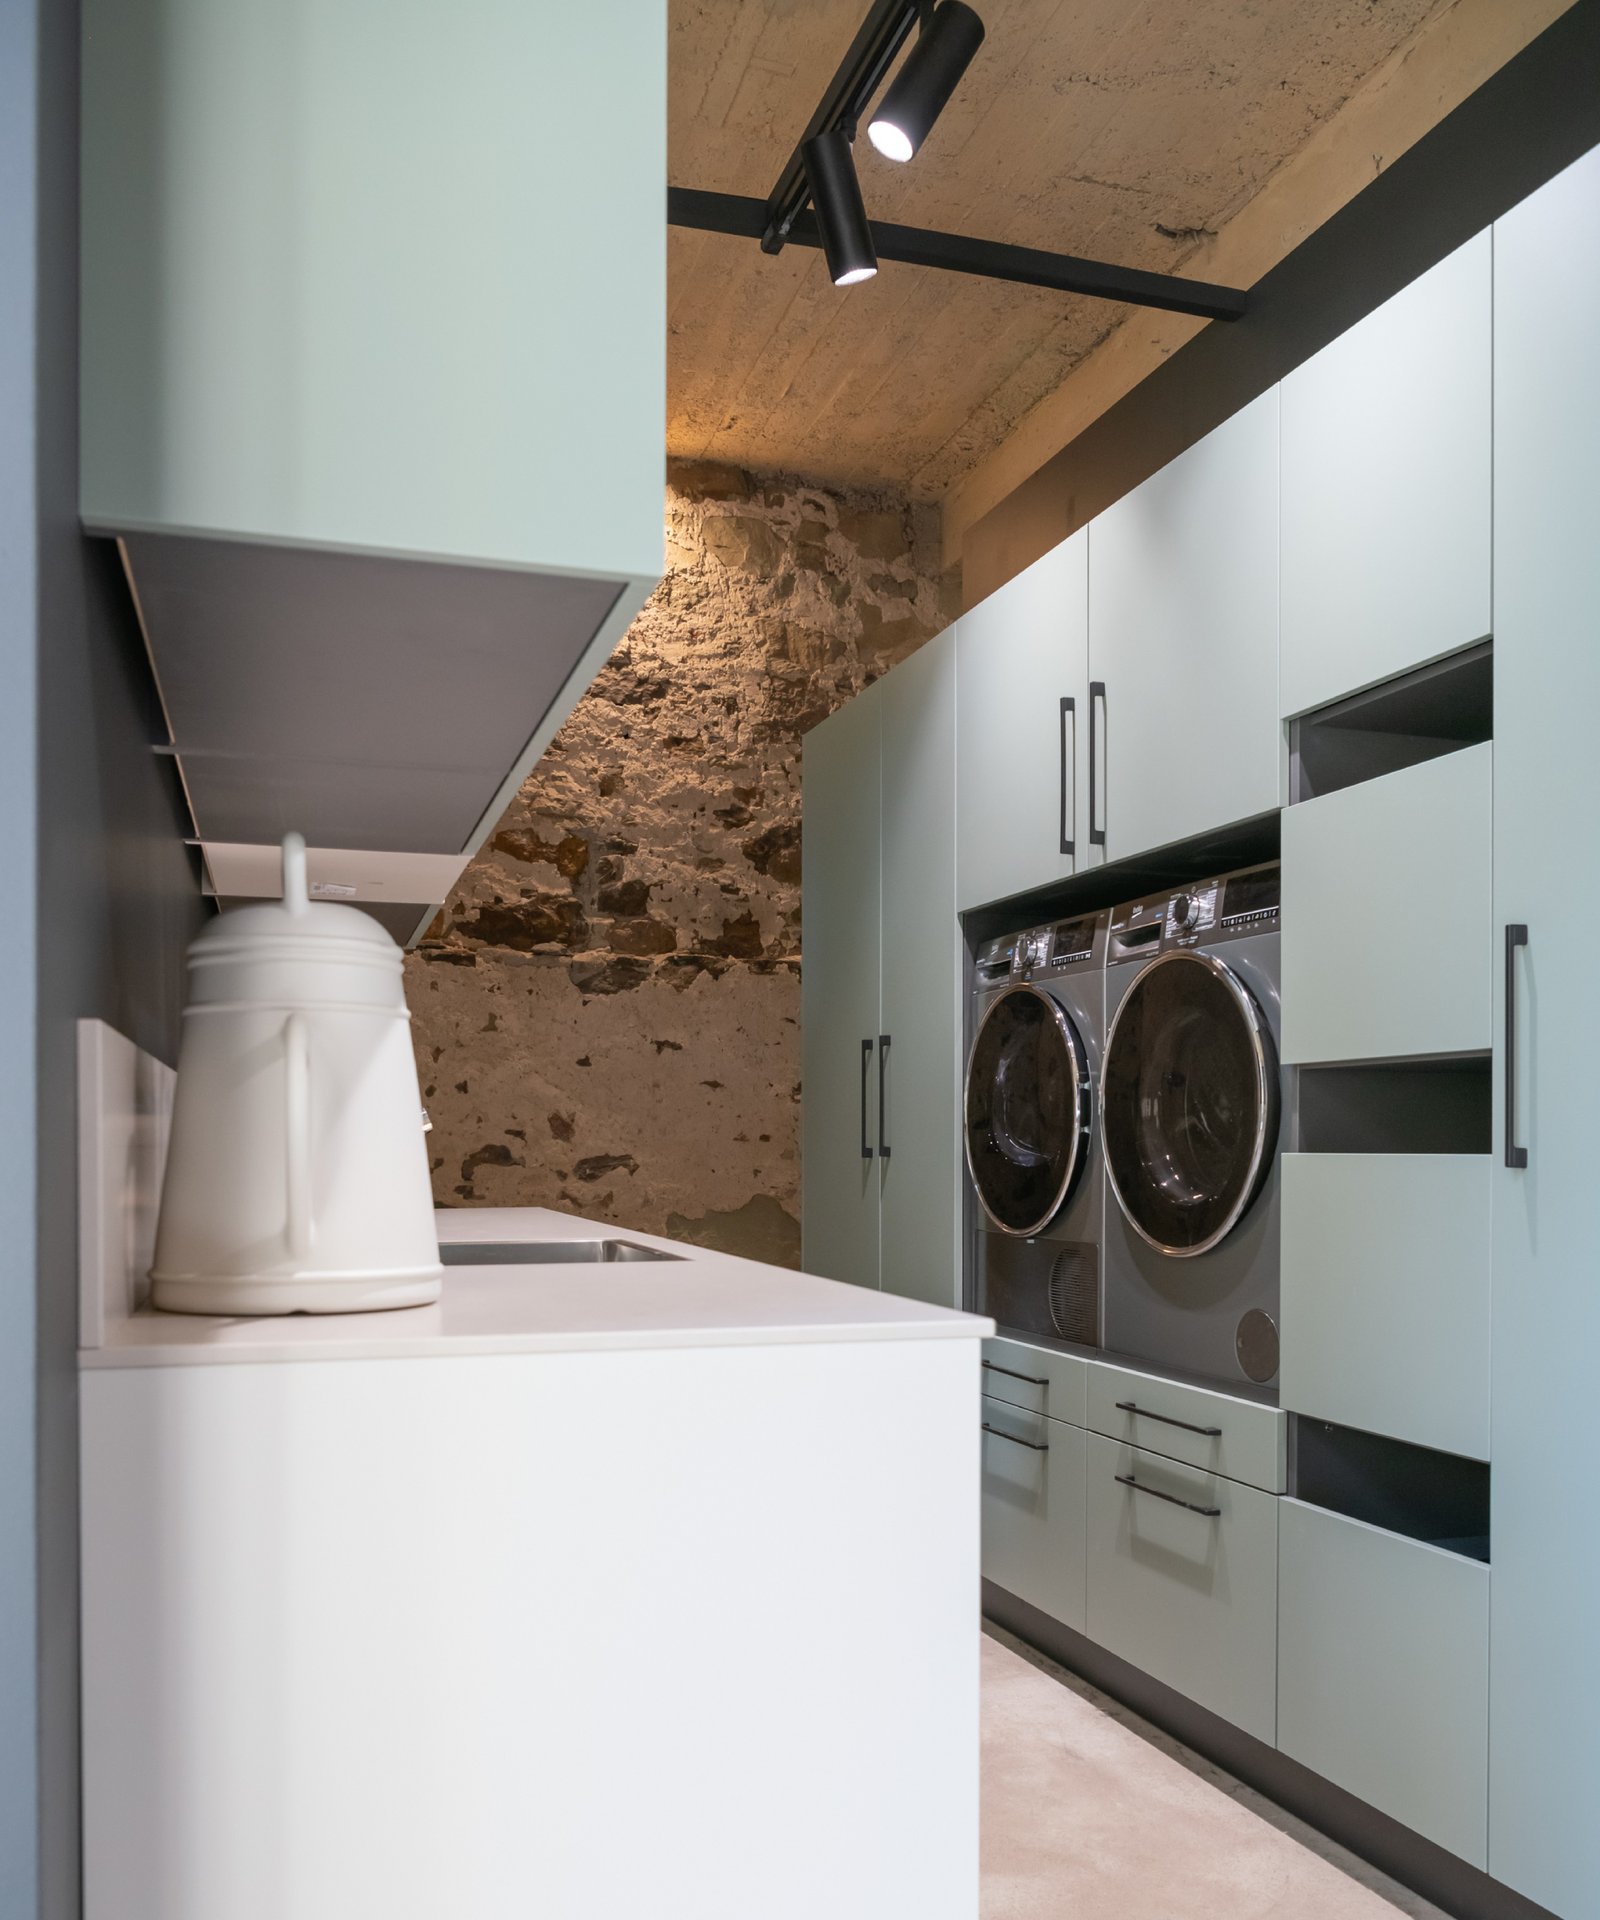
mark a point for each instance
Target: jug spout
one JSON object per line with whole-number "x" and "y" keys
{"x": 296, "y": 894}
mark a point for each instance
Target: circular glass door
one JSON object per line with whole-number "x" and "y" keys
{"x": 1027, "y": 1110}
{"x": 1189, "y": 1102}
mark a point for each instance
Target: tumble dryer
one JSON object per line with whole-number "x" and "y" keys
{"x": 1191, "y": 1101}
{"x": 1031, "y": 1130}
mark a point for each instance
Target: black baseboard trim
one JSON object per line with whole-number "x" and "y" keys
{"x": 1405, "y": 1856}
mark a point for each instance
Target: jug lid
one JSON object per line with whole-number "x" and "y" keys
{"x": 297, "y": 917}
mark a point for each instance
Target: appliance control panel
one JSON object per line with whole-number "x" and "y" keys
{"x": 1201, "y": 914}
{"x": 1042, "y": 953}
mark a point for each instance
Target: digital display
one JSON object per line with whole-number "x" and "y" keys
{"x": 1251, "y": 893}
{"x": 1074, "y": 936}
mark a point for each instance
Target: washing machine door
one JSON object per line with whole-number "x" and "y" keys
{"x": 1189, "y": 1103}
{"x": 1027, "y": 1110}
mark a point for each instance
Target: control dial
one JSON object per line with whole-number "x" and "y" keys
{"x": 1184, "y": 911}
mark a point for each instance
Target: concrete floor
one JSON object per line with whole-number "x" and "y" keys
{"x": 1089, "y": 1812}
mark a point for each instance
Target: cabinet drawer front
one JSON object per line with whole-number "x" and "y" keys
{"x": 1191, "y": 1597}
{"x": 1241, "y": 1439}
{"x": 1386, "y": 1294}
{"x": 1383, "y": 1672}
{"x": 1038, "y": 1378}
{"x": 1367, "y": 974}
{"x": 1033, "y": 1524}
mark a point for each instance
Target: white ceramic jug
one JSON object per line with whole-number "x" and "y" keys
{"x": 297, "y": 1175}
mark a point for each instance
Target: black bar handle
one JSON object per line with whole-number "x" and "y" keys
{"x": 883, "y": 1098}
{"x": 1172, "y": 1500}
{"x": 1069, "y": 725}
{"x": 1166, "y": 1419}
{"x": 1516, "y": 936}
{"x": 866, "y": 1061}
{"x": 1011, "y": 1373}
{"x": 1097, "y": 828}
{"x": 1035, "y": 1446}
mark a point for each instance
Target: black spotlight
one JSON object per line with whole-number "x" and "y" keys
{"x": 932, "y": 71}
{"x": 841, "y": 212}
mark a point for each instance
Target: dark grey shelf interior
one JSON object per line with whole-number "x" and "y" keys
{"x": 1421, "y": 716}
{"x": 1439, "y": 1498}
{"x": 1397, "y": 1106}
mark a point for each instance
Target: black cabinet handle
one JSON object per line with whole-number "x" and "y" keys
{"x": 1034, "y": 1446}
{"x": 883, "y": 1101}
{"x": 866, "y": 1061}
{"x": 1166, "y": 1419}
{"x": 1069, "y": 725}
{"x": 1172, "y": 1500}
{"x": 1516, "y": 936}
{"x": 1011, "y": 1373}
{"x": 1097, "y": 826}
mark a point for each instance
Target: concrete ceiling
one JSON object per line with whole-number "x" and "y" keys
{"x": 1136, "y": 131}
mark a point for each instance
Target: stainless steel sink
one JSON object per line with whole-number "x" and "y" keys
{"x": 546, "y": 1253}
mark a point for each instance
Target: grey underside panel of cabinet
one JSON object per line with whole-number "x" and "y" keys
{"x": 1544, "y": 1707}
{"x": 364, "y": 701}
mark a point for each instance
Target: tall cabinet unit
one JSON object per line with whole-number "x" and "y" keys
{"x": 1183, "y": 644}
{"x": 1022, "y": 730}
{"x": 882, "y": 987}
{"x": 1545, "y": 1413}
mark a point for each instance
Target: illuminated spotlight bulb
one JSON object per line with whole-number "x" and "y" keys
{"x": 841, "y": 212}
{"x": 931, "y": 73}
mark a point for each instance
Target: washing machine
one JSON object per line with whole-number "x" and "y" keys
{"x": 1191, "y": 1103}
{"x": 1031, "y": 1130}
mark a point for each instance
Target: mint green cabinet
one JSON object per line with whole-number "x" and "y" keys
{"x": 1385, "y": 1310}
{"x": 840, "y": 882}
{"x": 1386, "y": 914}
{"x": 1022, "y": 756}
{"x": 881, "y": 987}
{"x": 1183, "y": 643}
{"x": 1039, "y": 1379}
{"x": 1033, "y": 1519}
{"x": 1383, "y": 1671}
{"x": 1183, "y": 1579}
{"x": 1386, "y": 522}
{"x": 1544, "y": 1708}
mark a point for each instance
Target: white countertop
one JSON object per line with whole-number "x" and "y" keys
{"x": 700, "y": 1299}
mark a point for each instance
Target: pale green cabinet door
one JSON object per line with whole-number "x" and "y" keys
{"x": 1544, "y": 1708}
{"x": 1033, "y": 1517}
{"x": 1386, "y": 914}
{"x": 1385, "y": 1312}
{"x": 1383, "y": 1672}
{"x": 839, "y": 994}
{"x": 1183, "y": 643}
{"x": 920, "y": 1037}
{"x": 1386, "y": 488}
{"x": 1022, "y": 808}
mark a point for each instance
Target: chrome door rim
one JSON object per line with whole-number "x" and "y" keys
{"x": 1080, "y": 1110}
{"x": 1266, "y": 1099}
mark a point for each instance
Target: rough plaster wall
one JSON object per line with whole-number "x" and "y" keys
{"x": 607, "y": 1013}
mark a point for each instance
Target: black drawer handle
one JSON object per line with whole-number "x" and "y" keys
{"x": 866, "y": 1061}
{"x": 1166, "y": 1419}
{"x": 1034, "y": 1446}
{"x": 1172, "y": 1500}
{"x": 1011, "y": 1373}
{"x": 1516, "y": 936}
{"x": 883, "y": 1097}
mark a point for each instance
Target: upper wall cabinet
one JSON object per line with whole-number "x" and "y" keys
{"x": 1183, "y": 644}
{"x": 1386, "y": 481}
{"x": 1022, "y": 763}
{"x": 373, "y": 388}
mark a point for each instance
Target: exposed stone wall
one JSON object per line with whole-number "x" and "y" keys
{"x": 607, "y": 1013}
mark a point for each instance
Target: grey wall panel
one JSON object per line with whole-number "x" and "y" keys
{"x": 367, "y": 701}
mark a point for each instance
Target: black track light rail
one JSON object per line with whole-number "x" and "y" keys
{"x": 883, "y": 33}
{"x": 748, "y": 218}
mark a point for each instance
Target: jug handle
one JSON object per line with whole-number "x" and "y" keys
{"x": 297, "y": 1123}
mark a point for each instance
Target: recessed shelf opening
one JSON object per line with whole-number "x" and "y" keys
{"x": 1421, "y": 716}
{"x": 1397, "y": 1106}
{"x": 1439, "y": 1498}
